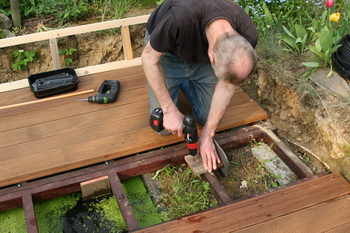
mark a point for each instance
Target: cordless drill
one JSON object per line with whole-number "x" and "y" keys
{"x": 107, "y": 93}
{"x": 189, "y": 128}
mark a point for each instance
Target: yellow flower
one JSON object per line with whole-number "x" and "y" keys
{"x": 334, "y": 17}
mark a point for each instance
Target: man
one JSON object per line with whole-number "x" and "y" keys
{"x": 204, "y": 48}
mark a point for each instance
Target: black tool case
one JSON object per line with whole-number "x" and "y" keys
{"x": 53, "y": 82}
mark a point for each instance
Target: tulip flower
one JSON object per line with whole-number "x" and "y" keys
{"x": 329, "y": 3}
{"x": 334, "y": 17}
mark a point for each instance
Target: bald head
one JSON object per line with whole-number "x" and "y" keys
{"x": 234, "y": 58}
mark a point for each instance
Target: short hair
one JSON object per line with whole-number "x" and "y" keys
{"x": 228, "y": 49}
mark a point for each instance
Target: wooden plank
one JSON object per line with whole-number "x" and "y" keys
{"x": 127, "y": 48}
{"x": 29, "y": 214}
{"x": 123, "y": 203}
{"x": 73, "y": 135}
{"x": 95, "y": 187}
{"x": 319, "y": 218}
{"x": 51, "y": 98}
{"x": 130, "y": 78}
{"x": 259, "y": 209}
{"x": 88, "y": 70}
{"x": 108, "y": 66}
{"x": 339, "y": 229}
{"x": 55, "y": 54}
{"x": 97, "y": 145}
{"x": 72, "y": 31}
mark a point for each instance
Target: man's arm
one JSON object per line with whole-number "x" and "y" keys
{"x": 221, "y": 99}
{"x": 172, "y": 116}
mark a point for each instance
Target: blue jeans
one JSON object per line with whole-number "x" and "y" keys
{"x": 196, "y": 81}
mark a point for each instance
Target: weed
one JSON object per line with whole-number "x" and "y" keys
{"x": 269, "y": 179}
{"x": 22, "y": 58}
{"x": 68, "y": 55}
{"x": 183, "y": 192}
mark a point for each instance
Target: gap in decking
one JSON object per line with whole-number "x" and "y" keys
{"x": 157, "y": 161}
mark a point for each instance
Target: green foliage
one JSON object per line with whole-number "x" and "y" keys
{"x": 22, "y": 58}
{"x": 186, "y": 192}
{"x": 68, "y": 55}
{"x": 160, "y": 2}
{"x": 269, "y": 179}
{"x": 296, "y": 40}
{"x": 5, "y": 7}
{"x": 2, "y": 34}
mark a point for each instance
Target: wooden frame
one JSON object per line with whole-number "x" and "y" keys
{"x": 120, "y": 169}
{"x": 52, "y": 37}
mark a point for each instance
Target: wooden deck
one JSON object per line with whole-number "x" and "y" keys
{"x": 55, "y": 136}
{"x": 317, "y": 205}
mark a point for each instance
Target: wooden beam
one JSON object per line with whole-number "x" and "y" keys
{"x": 72, "y": 31}
{"x": 55, "y": 54}
{"x": 123, "y": 202}
{"x": 10, "y": 86}
{"x": 286, "y": 154}
{"x": 127, "y": 48}
{"x": 218, "y": 190}
{"x": 29, "y": 214}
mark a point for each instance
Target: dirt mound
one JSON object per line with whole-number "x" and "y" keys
{"x": 311, "y": 119}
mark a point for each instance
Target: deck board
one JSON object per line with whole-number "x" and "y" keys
{"x": 316, "y": 197}
{"x": 319, "y": 218}
{"x": 59, "y": 135}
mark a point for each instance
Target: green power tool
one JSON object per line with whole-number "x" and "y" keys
{"x": 107, "y": 93}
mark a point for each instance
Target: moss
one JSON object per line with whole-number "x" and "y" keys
{"x": 110, "y": 212}
{"x": 12, "y": 221}
{"x": 141, "y": 202}
{"x": 49, "y": 214}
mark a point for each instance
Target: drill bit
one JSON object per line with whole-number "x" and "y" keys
{"x": 82, "y": 100}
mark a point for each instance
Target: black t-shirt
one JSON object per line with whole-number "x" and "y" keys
{"x": 178, "y": 26}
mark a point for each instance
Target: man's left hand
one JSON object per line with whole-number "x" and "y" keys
{"x": 208, "y": 152}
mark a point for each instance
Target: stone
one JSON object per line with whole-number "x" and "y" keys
{"x": 335, "y": 84}
{"x": 6, "y": 33}
{"x": 5, "y": 22}
{"x": 273, "y": 164}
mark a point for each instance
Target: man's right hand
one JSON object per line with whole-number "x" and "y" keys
{"x": 173, "y": 120}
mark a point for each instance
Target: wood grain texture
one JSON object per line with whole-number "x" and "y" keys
{"x": 319, "y": 218}
{"x": 246, "y": 213}
{"x": 56, "y": 136}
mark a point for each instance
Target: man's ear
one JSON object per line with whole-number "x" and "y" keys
{"x": 211, "y": 57}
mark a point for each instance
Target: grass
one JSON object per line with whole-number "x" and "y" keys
{"x": 183, "y": 192}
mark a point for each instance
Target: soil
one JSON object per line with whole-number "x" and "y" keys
{"x": 246, "y": 175}
{"x": 312, "y": 121}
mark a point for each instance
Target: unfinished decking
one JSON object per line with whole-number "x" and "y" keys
{"x": 59, "y": 135}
